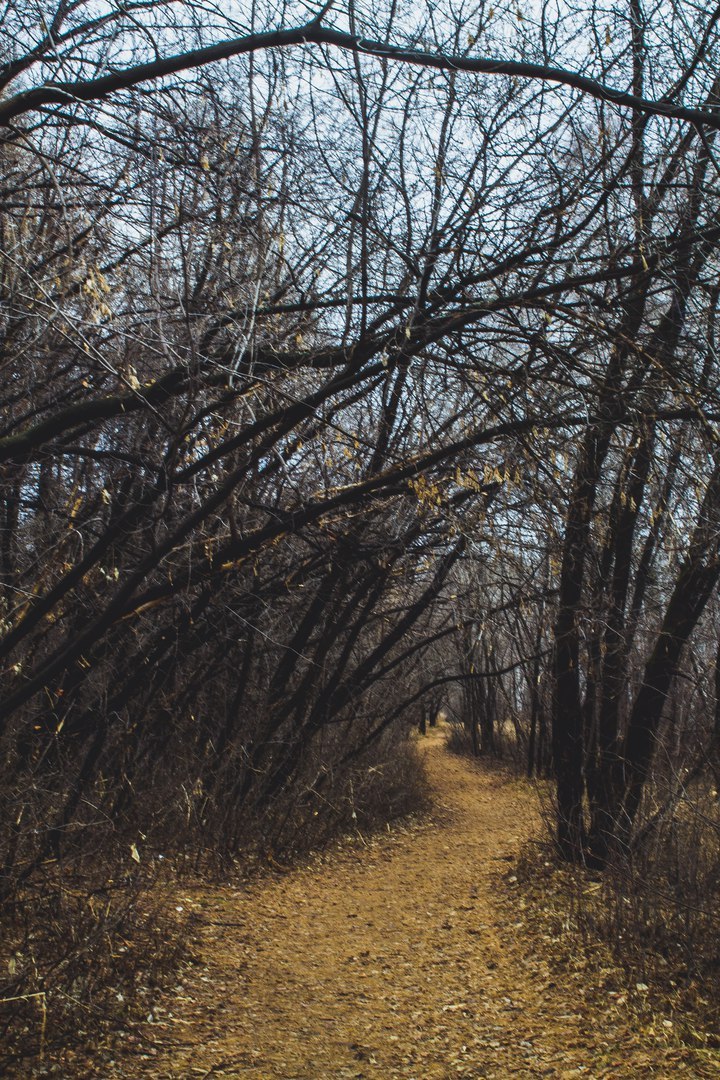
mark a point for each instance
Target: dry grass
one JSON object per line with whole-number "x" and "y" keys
{"x": 648, "y": 924}
{"x": 86, "y": 945}
{"x": 82, "y": 954}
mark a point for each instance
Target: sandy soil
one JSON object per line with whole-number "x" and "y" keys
{"x": 406, "y": 956}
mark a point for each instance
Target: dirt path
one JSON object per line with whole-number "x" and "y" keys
{"x": 403, "y": 958}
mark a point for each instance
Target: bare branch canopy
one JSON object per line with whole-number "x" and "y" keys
{"x": 314, "y": 33}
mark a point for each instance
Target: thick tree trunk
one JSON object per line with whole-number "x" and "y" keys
{"x": 695, "y": 584}
{"x": 567, "y": 732}
{"x": 692, "y": 592}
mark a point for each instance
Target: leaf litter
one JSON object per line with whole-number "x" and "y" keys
{"x": 408, "y": 955}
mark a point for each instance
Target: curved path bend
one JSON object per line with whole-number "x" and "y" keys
{"x": 406, "y": 956}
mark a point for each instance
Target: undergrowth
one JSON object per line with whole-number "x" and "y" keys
{"x": 87, "y": 944}
{"x": 506, "y": 748}
{"x": 83, "y": 951}
{"x": 646, "y": 929}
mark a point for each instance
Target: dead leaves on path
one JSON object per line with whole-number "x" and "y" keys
{"x": 414, "y": 954}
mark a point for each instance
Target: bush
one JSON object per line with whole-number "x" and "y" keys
{"x": 87, "y": 942}
{"x": 84, "y": 949}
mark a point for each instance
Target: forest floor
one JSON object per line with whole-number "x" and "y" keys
{"x": 407, "y": 955}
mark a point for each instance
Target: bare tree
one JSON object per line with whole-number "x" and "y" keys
{"x": 343, "y": 367}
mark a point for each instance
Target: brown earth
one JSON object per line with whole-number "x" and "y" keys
{"x": 404, "y": 956}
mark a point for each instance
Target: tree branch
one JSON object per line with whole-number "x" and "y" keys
{"x": 313, "y": 33}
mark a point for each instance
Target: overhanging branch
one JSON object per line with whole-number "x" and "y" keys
{"x": 314, "y": 33}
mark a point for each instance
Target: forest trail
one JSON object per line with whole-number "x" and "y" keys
{"x": 401, "y": 957}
